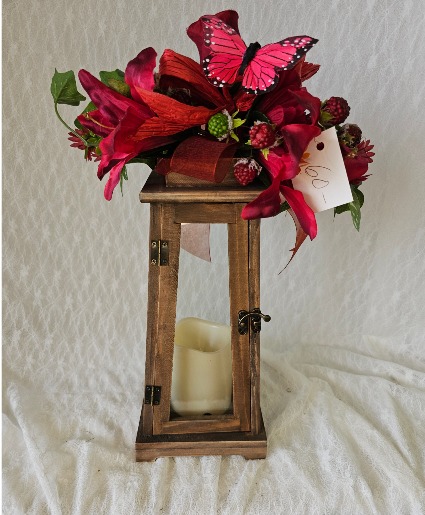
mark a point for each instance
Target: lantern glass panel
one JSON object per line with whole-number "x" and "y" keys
{"x": 202, "y": 362}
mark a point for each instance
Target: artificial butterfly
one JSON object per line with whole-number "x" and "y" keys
{"x": 226, "y": 57}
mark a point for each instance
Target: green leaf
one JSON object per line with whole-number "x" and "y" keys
{"x": 123, "y": 177}
{"x": 355, "y": 210}
{"x": 64, "y": 89}
{"x": 116, "y": 74}
{"x": 233, "y": 135}
{"x": 115, "y": 81}
{"x": 89, "y": 107}
{"x": 355, "y": 191}
{"x": 341, "y": 209}
{"x": 93, "y": 141}
{"x": 354, "y": 206}
{"x": 265, "y": 152}
{"x": 237, "y": 122}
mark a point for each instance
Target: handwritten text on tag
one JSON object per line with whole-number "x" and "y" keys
{"x": 323, "y": 179}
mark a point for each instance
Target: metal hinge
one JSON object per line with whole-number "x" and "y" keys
{"x": 159, "y": 252}
{"x": 255, "y": 315}
{"x": 152, "y": 395}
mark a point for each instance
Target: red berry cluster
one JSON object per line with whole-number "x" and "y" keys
{"x": 246, "y": 170}
{"x": 262, "y": 135}
{"x": 338, "y": 110}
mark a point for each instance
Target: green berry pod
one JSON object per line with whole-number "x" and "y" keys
{"x": 218, "y": 125}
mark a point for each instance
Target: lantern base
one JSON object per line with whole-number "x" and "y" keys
{"x": 246, "y": 444}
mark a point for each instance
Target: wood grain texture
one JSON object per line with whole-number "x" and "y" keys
{"x": 155, "y": 190}
{"x": 205, "y": 213}
{"x": 165, "y": 315}
{"x": 239, "y": 299}
{"x": 150, "y": 447}
{"x": 254, "y": 302}
{"x": 152, "y": 315}
{"x": 241, "y": 432}
{"x": 207, "y": 424}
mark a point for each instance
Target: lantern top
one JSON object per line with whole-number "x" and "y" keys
{"x": 178, "y": 188}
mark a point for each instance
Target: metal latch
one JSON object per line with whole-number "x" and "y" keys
{"x": 159, "y": 252}
{"x": 255, "y": 315}
{"x": 152, "y": 395}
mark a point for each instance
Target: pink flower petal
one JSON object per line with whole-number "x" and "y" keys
{"x": 140, "y": 72}
{"x": 302, "y": 210}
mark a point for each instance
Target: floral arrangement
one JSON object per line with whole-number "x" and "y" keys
{"x": 247, "y": 102}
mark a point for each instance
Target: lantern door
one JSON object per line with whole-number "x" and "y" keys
{"x": 159, "y": 416}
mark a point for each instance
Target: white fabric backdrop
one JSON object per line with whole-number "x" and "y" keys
{"x": 343, "y": 370}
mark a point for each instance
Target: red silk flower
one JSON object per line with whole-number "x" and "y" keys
{"x": 295, "y": 118}
{"x": 118, "y": 117}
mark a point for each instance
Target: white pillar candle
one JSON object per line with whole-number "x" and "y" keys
{"x": 202, "y": 368}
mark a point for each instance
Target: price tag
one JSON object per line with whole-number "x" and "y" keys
{"x": 323, "y": 179}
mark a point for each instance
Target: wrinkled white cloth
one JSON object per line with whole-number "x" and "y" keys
{"x": 344, "y": 412}
{"x": 346, "y": 433}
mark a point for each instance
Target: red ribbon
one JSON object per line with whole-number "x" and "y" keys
{"x": 201, "y": 158}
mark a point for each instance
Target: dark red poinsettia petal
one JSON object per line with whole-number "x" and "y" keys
{"x": 229, "y": 17}
{"x": 306, "y": 70}
{"x": 244, "y": 100}
{"x": 309, "y": 102}
{"x": 288, "y": 80}
{"x": 173, "y": 116}
{"x": 177, "y": 70}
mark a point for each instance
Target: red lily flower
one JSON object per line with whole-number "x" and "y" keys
{"x": 117, "y": 118}
{"x": 297, "y": 128}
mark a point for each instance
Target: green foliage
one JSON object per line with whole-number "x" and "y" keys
{"x": 354, "y": 207}
{"x": 325, "y": 119}
{"x": 123, "y": 177}
{"x": 64, "y": 89}
{"x": 115, "y": 80}
{"x": 237, "y": 122}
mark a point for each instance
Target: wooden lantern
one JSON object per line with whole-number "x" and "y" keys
{"x": 242, "y": 432}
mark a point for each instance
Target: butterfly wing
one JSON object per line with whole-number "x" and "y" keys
{"x": 261, "y": 74}
{"x": 225, "y": 51}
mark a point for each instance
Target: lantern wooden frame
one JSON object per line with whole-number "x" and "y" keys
{"x": 241, "y": 432}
